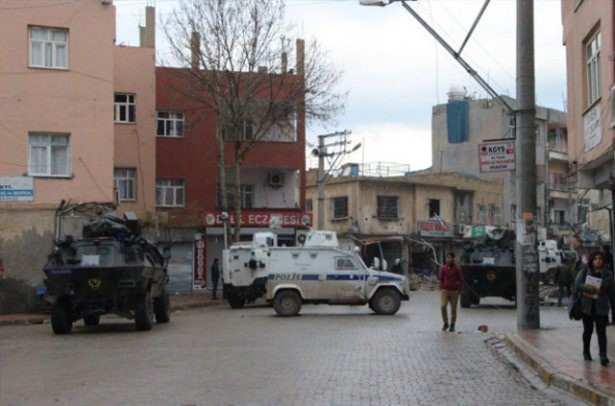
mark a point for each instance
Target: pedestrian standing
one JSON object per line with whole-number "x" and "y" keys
{"x": 594, "y": 283}
{"x": 451, "y": 283}
{"x": 215, "y": 276}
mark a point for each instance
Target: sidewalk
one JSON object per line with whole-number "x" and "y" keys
{"x": 178, "y": 302}
{"x": 556, "y": 355}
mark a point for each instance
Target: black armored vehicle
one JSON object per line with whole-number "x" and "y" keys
{"x": 110, "y": 269}
{"x": 488, "y": 267}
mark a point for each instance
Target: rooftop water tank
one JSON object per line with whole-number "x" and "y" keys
{"x": 456, "y": 93}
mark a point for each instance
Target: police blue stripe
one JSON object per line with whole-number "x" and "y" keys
{"x": 309, "y": 277}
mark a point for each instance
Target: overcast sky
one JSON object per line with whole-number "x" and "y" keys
{"x": 396, "y": 72}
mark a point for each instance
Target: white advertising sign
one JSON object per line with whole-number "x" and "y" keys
{"x": 592, "y": 133}
{"x": 16, "y": 189}
{"x": 496, "y": 156}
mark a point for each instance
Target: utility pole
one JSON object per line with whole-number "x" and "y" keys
{"x": 527, "y": 274}
{"x": 323, "y": 151}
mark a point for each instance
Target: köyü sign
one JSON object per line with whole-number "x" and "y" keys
{"x": 435, "y": 228}
{"x": 261, "y": 219}
{"x": 496, "y": 156}
{"x": 16, "y": 189}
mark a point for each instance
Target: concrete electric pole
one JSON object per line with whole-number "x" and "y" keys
{"x": 334, "y": 150}
{"x": 527, "y": 274}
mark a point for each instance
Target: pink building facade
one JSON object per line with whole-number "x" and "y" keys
{"x": 589, "y": 39}
{"x": 77, "y": 124}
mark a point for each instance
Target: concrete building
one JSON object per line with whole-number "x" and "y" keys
{"x": 77, "y": 122}
{"x": 462, "y": 130}
{"x": 416, "y": 217}
{"x": 590, "y": 49}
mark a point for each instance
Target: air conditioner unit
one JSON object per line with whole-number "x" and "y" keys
{"x": 300, "y": 237}
{"x": 275, "y": 179}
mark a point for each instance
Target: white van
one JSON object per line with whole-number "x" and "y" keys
{"x": 319, "y": 272}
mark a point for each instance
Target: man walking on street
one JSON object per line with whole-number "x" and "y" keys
{"x": 451, "y": 283}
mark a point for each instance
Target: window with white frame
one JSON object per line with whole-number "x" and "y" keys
{"x": 387, "y": 207}
{"x": 125, "y": 182}
{"x": 170, "y": 124}
{"x": 125, "y": 108}
{"x": 339, "y": 208}
{"x": 48, "y": 154}
{"x": 170, "y": 193}
{"x": 592, "y": 65}
{"x": 308, "y": 205}
{"x": 48, "y": 47}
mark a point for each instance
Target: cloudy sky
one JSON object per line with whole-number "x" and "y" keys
{"x": 395, "y": 71}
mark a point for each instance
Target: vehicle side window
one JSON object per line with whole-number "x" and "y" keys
{"x": 344, "y": 264}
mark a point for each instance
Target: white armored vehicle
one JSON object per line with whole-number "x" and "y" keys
{"x": 318, "y": 272}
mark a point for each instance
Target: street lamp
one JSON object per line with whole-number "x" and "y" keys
{"x": 224, "y": 217}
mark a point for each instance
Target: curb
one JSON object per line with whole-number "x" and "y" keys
{"x": 551, "y": 377}
{"x": 20, "y": 320}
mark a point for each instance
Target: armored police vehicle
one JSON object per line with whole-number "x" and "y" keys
{"x": 111, "y": 269}
{"x": 318, "y": 272}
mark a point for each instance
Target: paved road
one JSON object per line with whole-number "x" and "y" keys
{"x": 217, "y": 356}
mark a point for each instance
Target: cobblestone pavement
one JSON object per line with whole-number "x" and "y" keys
{"x": 217, "y": 356}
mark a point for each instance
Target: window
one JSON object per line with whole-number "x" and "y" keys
{"x": 583, "y": 211}
{"x": 559, "y": 216}
{"x": 558, "y": 180}
{"x": 170, "y": 192}
{"x": 49, "y": 154}
{"x": 387, "y": 207}
{"x": 557, "y": 139}
{"x": 247, "y": 196}
{"x": 481, "y": 210}
{"x": 339, "y": 208}
{"x": 592, "y": 60}
{"x": 170, "y": 124}
{"x": 434, "y": 208}
{"x": 246, "y": 135}
{"x": 48, "y": 47}
{"x": 344, "y": 264}
{"x": 124, "y": 181}
{"x": 308, "y": 205}
{"x": 125, "y": 108}
{"x": 494, "y": 214}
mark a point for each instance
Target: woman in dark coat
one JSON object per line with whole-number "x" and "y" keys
{"x": 595, "y": 304}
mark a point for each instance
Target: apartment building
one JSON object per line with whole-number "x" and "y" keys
{"x": 463, "y": 127}
{"x": 416, "y": 217}
{"x": 590, "y": 49}
{"x": 77, "y": 126}
{"x": 188, "y": 173}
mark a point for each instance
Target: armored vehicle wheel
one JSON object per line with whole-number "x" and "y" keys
{"x": 61, "y": 321}
{"x": 287, "y": 303}
{"x": 162, "y": 308}
{"x": 235, "y": 301}
{"x": 386, "y": 301}
{"x": 143, "y": 312}
{"x": 91, "y": 319}
{"x": 465, "y": 299}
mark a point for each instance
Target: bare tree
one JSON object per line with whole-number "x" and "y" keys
{"x": 235, "y": 54}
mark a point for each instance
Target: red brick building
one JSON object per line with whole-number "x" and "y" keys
{"x": 188, "y": 200}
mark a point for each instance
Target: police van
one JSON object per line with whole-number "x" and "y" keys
{"x": 319, "y": 272}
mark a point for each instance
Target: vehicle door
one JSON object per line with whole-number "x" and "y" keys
{"x": 346, "y": 282}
